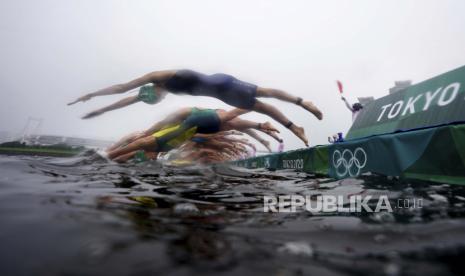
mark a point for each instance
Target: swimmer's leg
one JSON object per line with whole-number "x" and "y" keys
{"x": 262, "y": 141}
{"x": 284, "y": 96}
{"x": 239, "y": 124}
{"x": 244, "y": 125}
{"x": 259, "y": 139}
{"x": 125, "y": 157}
{"x": 274, "y": 113}
{"x": 229, "y": 115}
{"x": 119, "y": 104}
{"x": 146, "y": 143}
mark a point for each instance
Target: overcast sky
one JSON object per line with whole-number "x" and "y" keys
{"x": 53, "y": 51}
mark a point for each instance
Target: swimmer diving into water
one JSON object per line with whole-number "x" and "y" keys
{"x": 221, "y": 86}
{"x": 181, "y": 126}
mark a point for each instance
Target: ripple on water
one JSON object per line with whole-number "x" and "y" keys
{"x": 82, "y": 215}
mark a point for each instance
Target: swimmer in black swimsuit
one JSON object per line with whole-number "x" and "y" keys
{"x": 221, "y": 86}
{"x": 180, "y": 127}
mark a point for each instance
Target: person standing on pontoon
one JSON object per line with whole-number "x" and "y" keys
{"x": 224, "y": 87}
{"x": 356, "y": 108}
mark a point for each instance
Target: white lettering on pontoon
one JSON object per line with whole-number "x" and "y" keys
{"x": 293, "y": 164}
{"x": 441, "y": 97}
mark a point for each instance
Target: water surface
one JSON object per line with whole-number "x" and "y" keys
{"x": 83, "y": 216}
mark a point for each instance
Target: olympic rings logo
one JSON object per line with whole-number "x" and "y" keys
{"x": 348, "y": 162}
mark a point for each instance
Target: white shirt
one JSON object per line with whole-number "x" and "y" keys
{"x": 355, "y": 115}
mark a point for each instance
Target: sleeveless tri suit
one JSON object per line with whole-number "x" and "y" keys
{"x": 221, "y": 86}
{"x": 204, "y": 121}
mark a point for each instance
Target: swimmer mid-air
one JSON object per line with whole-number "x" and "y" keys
{"x": 221, "y": 86}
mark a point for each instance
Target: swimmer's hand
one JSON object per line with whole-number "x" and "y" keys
{"x": 92, "y": 114}
{"x": 81, "y": 99}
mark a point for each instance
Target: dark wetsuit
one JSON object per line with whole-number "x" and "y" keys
{"x": 221, "y": 86}
{"x": 204, "y": 121}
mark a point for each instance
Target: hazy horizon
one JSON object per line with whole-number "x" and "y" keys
{"x": 54, "y": 51}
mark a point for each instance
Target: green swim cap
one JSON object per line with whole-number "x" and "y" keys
{"x": 147, "y": 94}
{"x": 140, "y": 156}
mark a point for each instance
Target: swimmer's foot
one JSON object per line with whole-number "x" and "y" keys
{"x": 309, "y": 106}
{"x": 299, "y": 132}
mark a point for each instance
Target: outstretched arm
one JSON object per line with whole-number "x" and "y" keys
{"x": 125, "y": 141}
{"x": 119, "y": 104}
{"x": 239, "y": 124}
{"x": 347, "y": 104}
{"x": 173, "y": 118}
{"x": 154, "y": 77}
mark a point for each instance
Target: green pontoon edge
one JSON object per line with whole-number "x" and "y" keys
{"x": 418, "y": 133}
{"x": 434, "y": 154}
